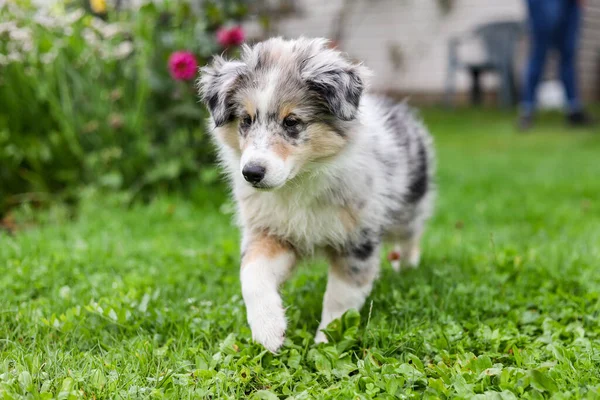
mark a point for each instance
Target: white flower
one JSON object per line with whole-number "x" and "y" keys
{"x": 74, "y": 16}
{"x": 20, "y": 34}
{"x": 27, "y": 46}
{"x": 45, "y": 21}
{"x": 21, "y": 40}
{"x": 15, "y": 57}
{"x": 98, "y": 24}
{"x": 7, "y": 26}
{"x": 49, "y": 57}
{"x": 123, "y": 50}
{"x": 110, "y": 30}
{"x": 90, "y": 36}
{"x": 13, "y": 9}
{"x": 44, "y": 3}
{"x": 4, "y": 60}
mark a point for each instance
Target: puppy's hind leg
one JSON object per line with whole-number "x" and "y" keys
{"x": 395, "y": 257}
{"x": 350, "y": 280}
{"x": 406, "y": 252}
{"x": 411, "y": 251}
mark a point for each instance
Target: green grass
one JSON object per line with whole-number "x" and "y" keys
{"x": 145, "y": 302}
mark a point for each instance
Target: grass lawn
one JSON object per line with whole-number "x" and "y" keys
{"x": 146, "y": 303}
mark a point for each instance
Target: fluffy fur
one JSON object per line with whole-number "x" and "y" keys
{"x": 316, "y": 165}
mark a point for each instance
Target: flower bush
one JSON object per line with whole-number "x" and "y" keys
{"x": 106, "y": 104}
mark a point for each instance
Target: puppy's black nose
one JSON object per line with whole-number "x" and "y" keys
{"x": 253, "y": 173}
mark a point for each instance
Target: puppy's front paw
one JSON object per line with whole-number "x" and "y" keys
{"x": 320, "y": 337}
{"x": 268, "y": 326}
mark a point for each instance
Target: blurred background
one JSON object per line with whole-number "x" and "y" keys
{"x": 98, "y": 95}
{"x": 411, "y": 44}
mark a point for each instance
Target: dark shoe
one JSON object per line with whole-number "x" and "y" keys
{"x": 525, "y": 122}
{"x": 580, "y": 119}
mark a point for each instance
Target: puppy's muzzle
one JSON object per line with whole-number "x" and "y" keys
{"x": 254, "y": 173}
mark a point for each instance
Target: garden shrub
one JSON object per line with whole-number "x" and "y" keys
{"x": 90, "y": 102}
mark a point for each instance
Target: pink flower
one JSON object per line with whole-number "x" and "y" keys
{"x": 236, "y": 36}
{"x": 223, "y": 36}
{"x": 230, "y": 37}
{"x": 183, "y": 65}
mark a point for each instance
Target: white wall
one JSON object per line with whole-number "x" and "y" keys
{"x": 418, "y": 28}
{"x": 589, "y": 55}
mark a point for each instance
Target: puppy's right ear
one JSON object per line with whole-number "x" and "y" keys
{"x": 217, "y": 84}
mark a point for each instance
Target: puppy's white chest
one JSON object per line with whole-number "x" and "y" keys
{"x": 305, "y": 225}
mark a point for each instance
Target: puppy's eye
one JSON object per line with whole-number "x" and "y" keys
{"x": 290, "y": 122}
{"x": 246, "y": 121}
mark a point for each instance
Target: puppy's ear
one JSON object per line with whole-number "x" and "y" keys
{"x": 217, "y": 84}
{"x": 337, "y": 82}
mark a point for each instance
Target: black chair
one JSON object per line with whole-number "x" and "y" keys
{"x": 500, "y": 41}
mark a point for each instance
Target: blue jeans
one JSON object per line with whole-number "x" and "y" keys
{"x": 554, "y": 24}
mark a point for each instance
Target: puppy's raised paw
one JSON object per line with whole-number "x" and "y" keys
{"x": 269, "y": 331}
{"x": 268, "y": 326}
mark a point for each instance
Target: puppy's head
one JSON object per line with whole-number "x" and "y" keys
{"x": 284, "y": 107}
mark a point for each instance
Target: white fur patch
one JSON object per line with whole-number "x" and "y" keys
{"x": 260, "y": 282}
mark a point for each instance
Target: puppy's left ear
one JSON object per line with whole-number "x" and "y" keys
{"x": 217, "y": 85}
{"x": 339, "y": 84}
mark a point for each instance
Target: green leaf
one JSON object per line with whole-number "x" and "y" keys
{"x": 25, "y": 380}
{"x": 542, "y": 382}
{"x": 321, "y": 362}
{"x": 438, "y": 385}
{"x": 479, "y": 364}
{"x": 97, "y": 378}
{"x": 66, "y": 389}
{"x": 294, "y": 359}
{"x": 415, "y": 361}
{"x": 343, "y": 367}
{"x": 350, "y": 319}
{"x": 113, "y": 180}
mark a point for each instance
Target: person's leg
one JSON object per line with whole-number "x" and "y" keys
{"x": 567, "y": 45}
{"x": 543, "y": 19}
{"x": 539, "y": 43}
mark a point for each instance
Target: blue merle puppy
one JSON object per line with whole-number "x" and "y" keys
{"x": 316, "y": 165}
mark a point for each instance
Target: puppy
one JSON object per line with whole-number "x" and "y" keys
{"x": 316, "y": 165}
